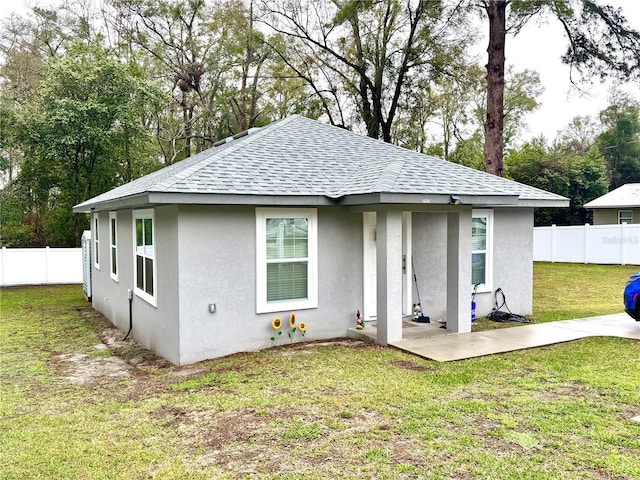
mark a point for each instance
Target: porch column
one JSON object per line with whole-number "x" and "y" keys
{"x": 389, "y": 276}
{"x": 459, "y": 271}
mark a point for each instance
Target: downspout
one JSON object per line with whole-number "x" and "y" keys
{"x": 130, "y": 297}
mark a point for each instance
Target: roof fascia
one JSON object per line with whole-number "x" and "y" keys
{"x": 595, "y": 207}
{"x": 132, "y": 201}
{"x": 544, "y": 203}
{"x": 231, "y": 199}
{"x": 434, "y": 199}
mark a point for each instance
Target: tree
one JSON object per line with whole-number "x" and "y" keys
{"x": 620, "y": 141}
{"x": 363, "y": 56}
{"x": 580, "y": 135}
{"x": 580, "y": 177}
{"x": 459, "y": 109}
{"x": 601, "y": 44}
{"x": 85, "y": 135}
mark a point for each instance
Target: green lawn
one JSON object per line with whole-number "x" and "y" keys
{"x": 72, "y": 409}
{"x": 562, "y": 291}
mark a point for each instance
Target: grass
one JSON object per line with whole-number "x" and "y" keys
{"x": 572, "y": 290}
{"x": 71, "y": 409}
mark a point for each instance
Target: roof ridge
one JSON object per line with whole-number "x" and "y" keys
{"x": 217, "y": 156}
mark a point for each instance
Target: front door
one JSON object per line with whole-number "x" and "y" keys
{"x": 369, "y": 263}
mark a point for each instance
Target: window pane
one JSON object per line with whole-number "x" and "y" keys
{"x": 113, "y": 231}
{"x": 287, "y": 237}
{"x": 478, "y": 268}
{"x": 148, "y": 274}
{"x": 625, "y": 216}
{"x": 286, "y": 281}
{"x": 140, "y": 272}
{"x": 148, "y": 231}
{"x": 138, "y": 232}
{"x": 114, "y": 260}
{"x": 96, "y": 230}
{"x": 479, "y": 234}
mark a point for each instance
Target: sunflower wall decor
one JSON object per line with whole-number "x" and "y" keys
{"x": 276, "y": 323}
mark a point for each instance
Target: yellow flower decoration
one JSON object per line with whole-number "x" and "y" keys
{"x": 292, "y": 319}
{"x": 277, "y": 323}
{"x": 302, "y": 327}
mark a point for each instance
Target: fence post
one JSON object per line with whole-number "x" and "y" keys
{"x": 586, "y": 243}
{"x": 46, "y": 265}
{"x": 623, "y": 242}
{"x": 553, "y": 243}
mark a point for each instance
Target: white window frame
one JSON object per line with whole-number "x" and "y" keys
{"x": 96, "y": 240}
{"x": 113, "y": 245}
{"x": 630, "y": 215}
{"x": 144, "y": 215}
{"x": 488, "y": 216}
{"x": 262, "y": 214}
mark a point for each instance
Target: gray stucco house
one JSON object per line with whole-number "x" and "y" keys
{"x": 621, "y": 205}
{"x": 303, "y": 217}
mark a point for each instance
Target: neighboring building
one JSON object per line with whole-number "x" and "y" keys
{"x": 303, "y": 217}
{"x": 621, "y": 205}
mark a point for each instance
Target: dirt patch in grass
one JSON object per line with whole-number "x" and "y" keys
{"x": 89, "y": 371}
{"x": 409, "y": 365}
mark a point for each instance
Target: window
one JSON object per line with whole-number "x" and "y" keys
{"x": 96, "y": 241}
{"x": 481, "y": 249}
{"x": 287, "y": 259}
{"x": 625, "y": 216}
{"x": 144, "y": 253}
{"x": 113, "y": 235}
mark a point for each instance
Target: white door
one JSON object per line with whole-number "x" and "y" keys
{"x": 369, "y": 262}
{"x": 407, "y": 270}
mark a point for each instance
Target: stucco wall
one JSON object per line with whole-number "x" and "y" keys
{"x": 217, "y": 265}
{"x": 512, "y": 261}
{"x": 207, "y": 254}
{"x": 110, "y": 297}
{"x": 154, "y": 327}
{"x": 429, "y": 243}
{"x": 609, "y": 216}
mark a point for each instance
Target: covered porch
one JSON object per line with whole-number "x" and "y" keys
{"x": 436, "y": 241}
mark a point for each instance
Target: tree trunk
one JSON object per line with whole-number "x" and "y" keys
{"x": 187, "y": 114}
{"x": 494, "y": 125}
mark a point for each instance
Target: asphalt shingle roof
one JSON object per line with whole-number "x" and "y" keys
{"x": 302, "y": 157}
{"x": 625, "y": 196}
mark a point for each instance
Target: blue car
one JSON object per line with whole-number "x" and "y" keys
{"x": 632, "y": 296}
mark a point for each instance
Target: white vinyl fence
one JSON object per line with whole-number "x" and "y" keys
{"x": 40, "y": 266}
{"x": 605, "y": 244}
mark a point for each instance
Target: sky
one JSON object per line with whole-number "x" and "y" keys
{"x": 537, "y": 47}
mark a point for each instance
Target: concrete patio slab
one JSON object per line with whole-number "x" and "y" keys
{"x": 458, "y": 346}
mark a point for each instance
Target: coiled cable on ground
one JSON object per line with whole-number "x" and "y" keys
{"x": 505, "y": 317}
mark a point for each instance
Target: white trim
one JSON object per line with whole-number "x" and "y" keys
{"x": 142, "y": 215}
{"x": 369, "y": 272}
{"x": 113, "y": 220}
{"x": 95, "y": 234}
{"x": 630, "y": 212}
{"x": 407, "y": 274}
{"x": 488, "y": 215}
{"x": 262, "y": 305}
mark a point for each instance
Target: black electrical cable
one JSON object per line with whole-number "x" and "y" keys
{"x": 130, "y": 317}
{"x": 415, "y": 279}
{"x": 505, "y": 317}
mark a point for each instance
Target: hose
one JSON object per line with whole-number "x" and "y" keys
{"x": 130, "y": 295}
{"x": 505, "y": 317}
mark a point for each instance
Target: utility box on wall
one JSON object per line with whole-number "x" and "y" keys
{"x": 86, "y": 264}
